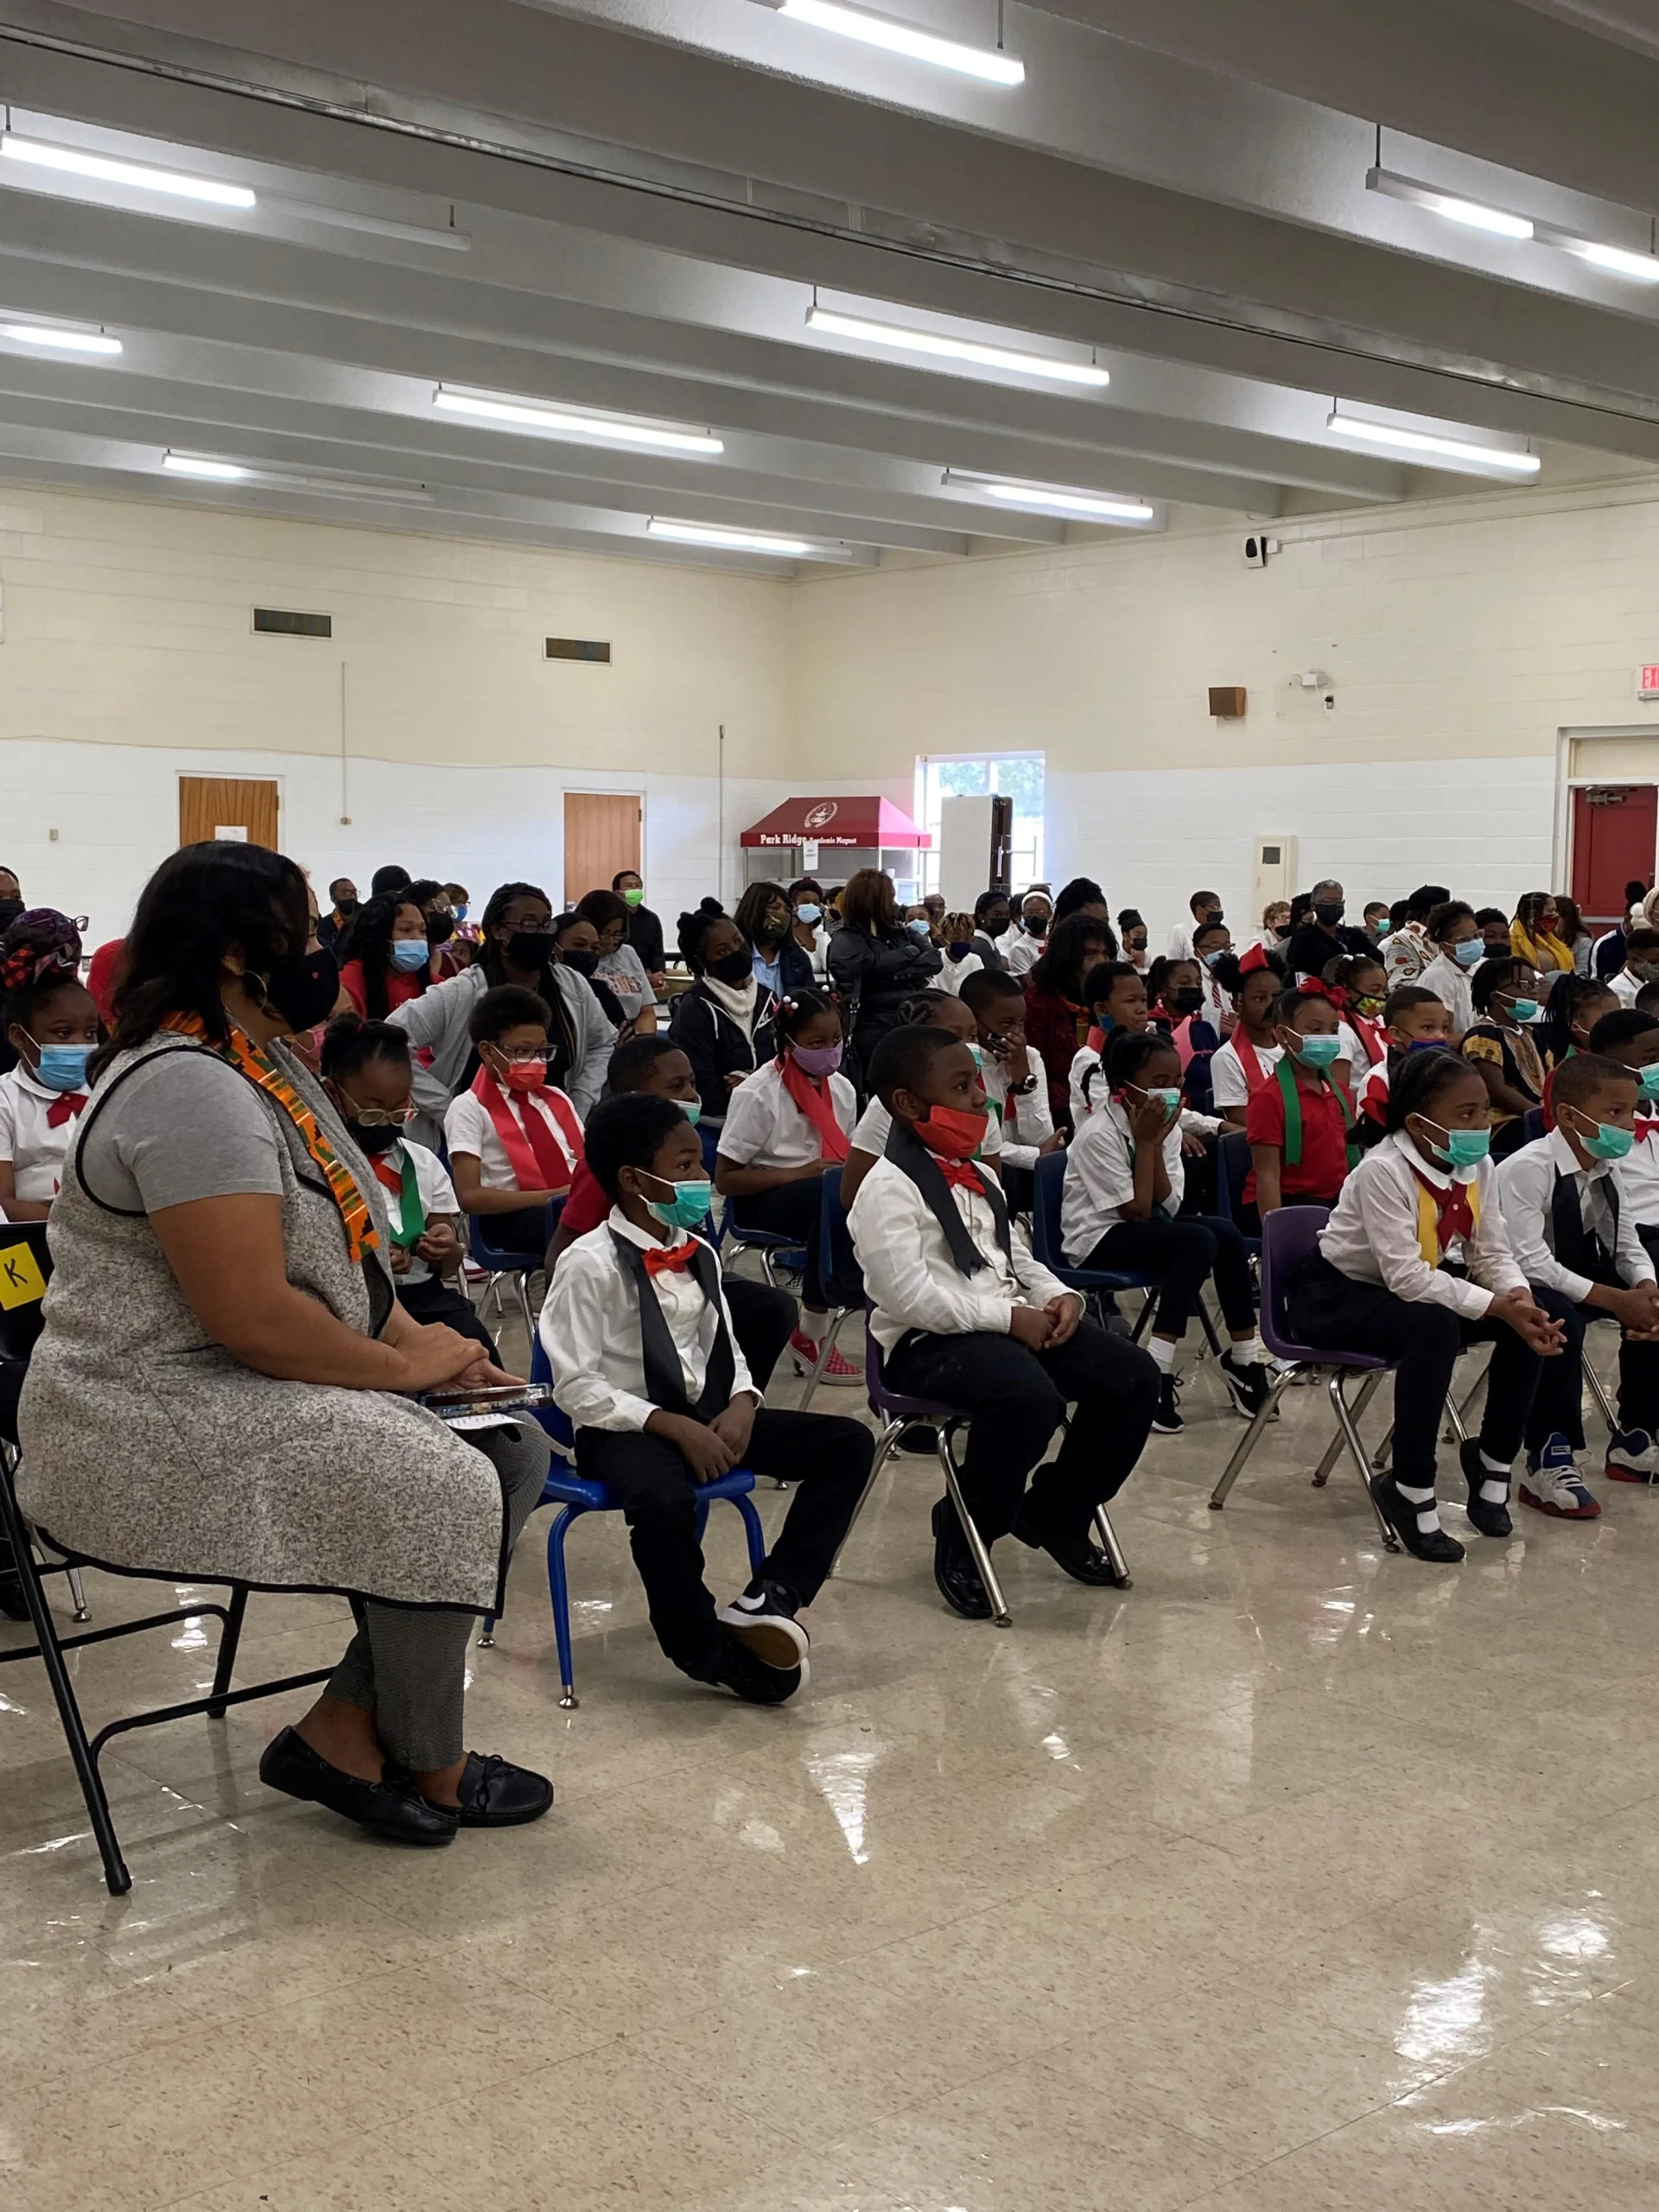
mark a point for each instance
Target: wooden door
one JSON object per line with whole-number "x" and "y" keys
{"x": 242, "y": 808}
{"x": 1614, "y": 829}
{"x": 602, "y": 837}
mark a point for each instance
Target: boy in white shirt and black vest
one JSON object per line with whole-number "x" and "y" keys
{"x": 637, "y": 1333}
{"x": 965, "y": 1316}
{"x": 1578, "y": 1244}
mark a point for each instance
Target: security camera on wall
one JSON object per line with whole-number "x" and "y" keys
{"x": 1256, "y": 550}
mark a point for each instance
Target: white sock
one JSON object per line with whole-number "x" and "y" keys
{"x": 1163, "y": 1352}
{"x": 1252, "y": 1353}
{"x": 1428, "y": 1516}
{"x": 1498, "y": 1467}
{"x": 812, "y": 1325}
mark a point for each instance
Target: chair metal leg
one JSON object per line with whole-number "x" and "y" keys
{"x": 486, "y": 1634}
{"x": 521, "y": 1283}
{"x": 1599, "y": 1392}
{"x": 826, "y": 1346}
{"x": 82, "y": 1611}
{"x": 1454, "y": 1418}
{"x": 1143, "y": 1318}
{"x": 558, "y": 1590}
{"x": 1112, "y": 1548}
{"x": 754, "y": 1531}
{"x": 1348, "y": 1422}
{"x": 1235, "y": 1466}
{"x": 1208, "y": 1326}
{"x": 116, "y": 1878}
{"x": 979, "y": 1550}
{"x": 765, "y": 1267}
{"x": 229, "y": 1636}
{"x": 1335, "y": 1384}
{"x": 885, "y": 1445}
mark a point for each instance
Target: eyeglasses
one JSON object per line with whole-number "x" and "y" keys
{"x": 524, "y": 1056}
{"x": 380, "y": 1117}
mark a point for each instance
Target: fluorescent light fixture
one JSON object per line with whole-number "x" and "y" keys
{"x": 1054, "y": 498}
{"x": 1617, "y": 260}
{"x": 1461, "y": 453}
{"x": 931, "y": 342}
{"x": 57, "y": 340}
{"x": 1474, "y": 217}
{"x": 895, "y": 37}
{"x": 732, "y": 541}
{"x": 73, "y": 161}
{"x": 196, "y": 464}
{"x": 570, "y": 422}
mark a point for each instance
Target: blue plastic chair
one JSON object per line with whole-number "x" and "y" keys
{"x": 1532, "y": 1124}
{"x": 1047, "y": 1188}
{"x": 574, "y": 1496}
{"x": 501, "y": 1264}
{"x": 838, "y": 1269}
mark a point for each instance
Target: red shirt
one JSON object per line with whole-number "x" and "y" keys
{"x": 400, "y": 987}
{"x": 1323, "y": 1168}
{"x": 587, "y": 1205}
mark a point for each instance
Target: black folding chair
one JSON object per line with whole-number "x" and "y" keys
{"x": 25, "y": 1266}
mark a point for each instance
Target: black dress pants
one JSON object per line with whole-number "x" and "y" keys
{"x": 1015, "y": 1398}
{"x": 826, "y": 1457}
{"x": 1180, "y": 1255}
{"x": 1558, "y": 1410}
{"x": 791, "y": 1209}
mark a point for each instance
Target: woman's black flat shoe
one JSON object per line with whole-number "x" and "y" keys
{"x": 494, "y": 1794}
{"x": 391, "y": 1808}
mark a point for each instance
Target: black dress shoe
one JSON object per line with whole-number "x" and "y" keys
{"x": 1433, "y": 1544}
{"x": 1489, "y": 1515}
{"x": 392, "y": 1807}
{"x": 1080, "y": 1556}
{"x": 495, "y": 1795}
{"x": 954, "y": 1571}
{"x": 734, "y": 1667}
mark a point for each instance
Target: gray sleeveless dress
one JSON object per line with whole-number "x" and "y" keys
{"x": 147, "y": 1445}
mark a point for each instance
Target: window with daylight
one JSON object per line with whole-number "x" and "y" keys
{"x": 1017, "y": 775}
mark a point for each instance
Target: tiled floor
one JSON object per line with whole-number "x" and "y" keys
{"x": 1297, "y": 1879}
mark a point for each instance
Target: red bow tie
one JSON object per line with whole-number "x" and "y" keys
{"x": 64, "y": 1107}
{"x": 666, "y": 1260}
{"x": 961, "y": 1174}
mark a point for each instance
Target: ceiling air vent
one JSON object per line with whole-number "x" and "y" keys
{"x": 576, "y": 649}
{"x": 279, "y": 622}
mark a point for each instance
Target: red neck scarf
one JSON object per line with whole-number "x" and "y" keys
{"x": 66, "y": 1107}
{"x": 533, "y": 1152}
{"x": 1453, "y": 1214}
{"x": 818, "y": 1106}
{"x": 1255, "y": 1074}
{"x": 1371, "y": 1035}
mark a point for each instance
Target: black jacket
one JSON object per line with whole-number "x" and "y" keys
{"x": 645, "y": 935}
{"x": 880, "y": 973}
{"x": 1311, "y": 950}
{"x": 715, "y": 1045}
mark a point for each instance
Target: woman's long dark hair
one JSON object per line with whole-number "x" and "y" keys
{"x": 1060, "y": 967}
{"x": 202, "y": 900}
{"x": 562, "y": 1035}
{"x": 372, "y": 949}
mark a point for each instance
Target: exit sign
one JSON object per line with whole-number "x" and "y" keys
{"x": 1647, "y": 683}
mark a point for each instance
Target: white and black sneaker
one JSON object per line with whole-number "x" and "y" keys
{"x": 1249, "y": 1383}
{"x": 1167, "y": 1421}
{"x": 763, "y": 1618}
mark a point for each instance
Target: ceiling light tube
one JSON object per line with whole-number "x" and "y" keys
{"x": 73, "y": 161}
{"x": 196, "y": 464}
{"x": 59, "y": 341}
{"x": 1617, "y": 260}
{"x": 1462, "y": 454}
{"x": 1474, "y": 214}
{"x": 1054, "y": 498}
{"x": 570, "y": 423}
{"x": 733, "y": 541}
{"x": 935, "y": 343}
{"x": 907, "y": 39}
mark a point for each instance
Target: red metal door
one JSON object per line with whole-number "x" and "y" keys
{"x": 1614, "y": 828}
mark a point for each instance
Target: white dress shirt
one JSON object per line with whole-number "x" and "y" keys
{"x": 1085, "y": 1103}
{"x": 437, "y": 1195}
{"x": 874, "y": 1126}
{"x": 35, "y": 1150}
{"x": 1100, "y": 1179}
{"x": 1638, "y": 1174}
{"x": 1372, "y": 1235}
{"x": 1450, "y": 983}
{"x": 1373, "y": 1085}
{"x": 467, "y": 1128}
{"x": 912, "y": 1279}
{"x": 1024, "y": 952}
{"x": 1180, "y": 940}
{"x": 1624, "y": 986}
{"x": 1526, "y": 1185}
{"x": 1026, "y": 1121}
{"x": 1230, "y": 1085}
{"x": 590, "y": 1330}
{"x": 953, "y": 974}
{"x": 765, "y": 1128}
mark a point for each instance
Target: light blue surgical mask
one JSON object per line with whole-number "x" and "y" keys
{"x": 1524, "y": 1009}
{"x": 1461, "y": 1147}
{"x": 1170, "y": 1099}
{"x": 1610, "y": 1141}
{"x": 1647, "y": 1082}
{"x": 63, "y": 1067}
{"x": 1215, "y": 959}
{"x": 692, "y": 1109}
{"x": 1317, "y": 1052}
{"x": 1471, "y": 952}
{"x": 689, "y": 1206}
{"x": 408, "y": 953}
{"x": 920, "y": 928}
{"x": 460, "y": 911}
{"x": 809, "y": 912}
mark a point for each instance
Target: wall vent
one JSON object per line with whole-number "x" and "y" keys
{"x": 576, "y": 649}
{"x": 279, "y": 622}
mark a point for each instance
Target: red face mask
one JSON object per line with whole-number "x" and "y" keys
{"x": 526, "y": 1075}
{"x": 951, "y": 1133}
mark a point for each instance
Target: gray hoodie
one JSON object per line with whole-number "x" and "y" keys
{"x": 440, "y": 1019}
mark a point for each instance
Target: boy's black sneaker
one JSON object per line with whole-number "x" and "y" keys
{"x": 1167, "y": 1421}
{"x": 954, "y": 1571}
{"x": 764, "y": 1618}
{"x": 1249, "y": 1383}
{"x": 738, "y": 1669}
{"x": 922, "y": 1439}
{"x": 1490, "y": 1516}
{"x": 1433, "y": 1544}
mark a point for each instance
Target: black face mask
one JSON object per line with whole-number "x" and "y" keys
{"x": 379, "y": 1139}
{"x": 302, "y": 986}
{"x": 1187, "y": 1002}
{"x": 583, "y": 960}
{"x": 959, "y": 951}
{"x": 440, "y": 928}
{"x": 10, "y": 910}
{"x": 735, "y": 968}
{"x": 345, "y": 907}
{"x": 1215, "y": 914}
{"x": 1035, "y": 925}
{"x": 1328, "y": 913}
{"x": 529, "y": 950}
{"x": 995, "y": 925}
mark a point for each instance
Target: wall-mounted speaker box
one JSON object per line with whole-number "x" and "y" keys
{"x": 1227, "y": 701}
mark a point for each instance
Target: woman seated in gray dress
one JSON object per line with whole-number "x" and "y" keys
{"x": 224, "y": 1389}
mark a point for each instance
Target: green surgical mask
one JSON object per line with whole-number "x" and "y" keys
{"x": 687, "y": 1209}
{"x": 1318, "y": 1051}
{"x": 1463, "y": 1148}
{"x": 1610, "y": 1141}
{"x": 692, "y": 1109}
{"x": 1648, "y": 1079}
{"x": 634, "y": 898}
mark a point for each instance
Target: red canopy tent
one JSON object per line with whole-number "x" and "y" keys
{"x": 863, "y": 825}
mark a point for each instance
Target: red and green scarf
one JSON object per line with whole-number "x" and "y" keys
{"x": 1285, "y": 1074}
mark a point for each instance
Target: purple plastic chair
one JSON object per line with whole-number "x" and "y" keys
{"x": 1289, "y": 1236}
{"x": 897, "y": 1414}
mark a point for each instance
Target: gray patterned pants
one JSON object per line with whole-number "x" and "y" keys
{"x": 407, "y": 1665}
